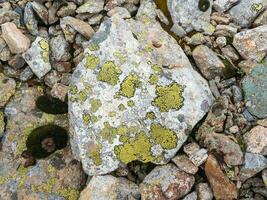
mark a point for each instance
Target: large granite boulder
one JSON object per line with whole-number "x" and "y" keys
{"x": 135, "y": 95}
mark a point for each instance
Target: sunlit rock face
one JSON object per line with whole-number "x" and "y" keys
{"x": 135, "y": 95}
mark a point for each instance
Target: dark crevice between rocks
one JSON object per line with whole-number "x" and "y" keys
{"x": 43, "y": 141}
{"x": 51, "y": 105}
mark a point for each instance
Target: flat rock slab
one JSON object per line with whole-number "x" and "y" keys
{"x": 125, "y": 103}
{"x": 192, "y": 15}
{"x": 254, "y": 86}
{"x": 252, "y": 44}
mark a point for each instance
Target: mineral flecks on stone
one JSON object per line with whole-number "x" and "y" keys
{"x": 7, "y": 89}
{"x": 255, "y": 95}
{"x": 30, "y": 20}
{"x": 189, "y": 16}
{"x": 252, "y": 43}
{"x": 37, "y": 57}
{"x": 124, "y": 105}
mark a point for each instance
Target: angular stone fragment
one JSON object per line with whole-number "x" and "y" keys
{"x": 222, "y": 187}
{"x": 204, "y": 191}
{"x": 60, "y": 49}
{"x": 30, "y": 19}
{"x": 9, "y": 16}
{"x": 124, "y": 105}
{"x": 208, "y": 62}
{"x": 183, "y": 163}
{"x": 223, "y": 5}
{"x": 256, "y": 140}
{"x": 16, "y": 41}
{"x": 37, "y": 57}
{"x": 7, "y": 89}
{"x": 261, "y": 19}
{"x": 58, "y": 176}
{"x": 2, "y": 124}
{"x": 252, "y": 43}
{"x": 4, "y": 50}
{"x": 254, "y": 91}
{"x": 78, "y": 25}
{"x": 189, "y": 15}
{"x": 109, "y": 188}
{"x": 191, "y": 196}
{"x": 59, "y": 91}
{"x": 254, "y": 163}
{"x": 246, "y": 11}
{"x": 91, "y": 6}
{"x": 41, "y": 11}
{"x": 166, "y": 183}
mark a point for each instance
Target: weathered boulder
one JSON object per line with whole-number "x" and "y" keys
{"x": 58, "y": 176}
{"x": 137, "y": 99}
{"x": 192, "y": 15}
{"x": 7, "y": 89}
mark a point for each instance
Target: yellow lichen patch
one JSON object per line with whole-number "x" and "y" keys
{"x": 46, "y": 187}
{"x": 43, "y": 43}
{"x": 129, "y": 85}
{"x": 91, "y": 62}
{"x": 130, "y": 103}
{"x": 94, "y": 152}
{"x": 138, "y": 148}
{"x": 157, "y": 69}
{"x": 112, "y": 114}
{"x": 69, "y": 193}
{"x": 169, "y": 97}
{"x": 22, "y": 175}
{"x": 153, "y": 79}
{"x": 94, "y": 47}
{"x": 95, "y": 104}
{"x": 164, "y": 136}
{"x": 73, "y": 89}
{"x": 122, "y": 57}
{"x": 121, "y": 107}
{"x": 151, "y": 115}
{"x": 109, "y": 133}
{"x": 109, "y": 73}
{"x": 82, "y": 96}
{"x": 86, "y": 118}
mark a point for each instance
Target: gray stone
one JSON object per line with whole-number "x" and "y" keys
{"x": 26, "y": 74}
{"x": 237, "y": 94}
{"x": 67, "y": 10}
{"x": 128, "y": 83}
{"x": 30, "y": 20}
{"x": 7, "y": 15}
{"x": 17, "y": 62}
{"x": 246, "y": 11}
{"x": 208, "y": 62}
{"x": 2, "y": 124}
{"x": 256, "y": 140}
{"x": 109, "y": 188}
{"x": 91, "y": 6}
{"x": 221, "y": 41}
{"x": 223, "y": 5}
{"x": 60, "y": 49}
{"x": 191, "y": 196}
{"x": 5, "y": 53}
{"x": 253, "y": 87}
{"x": 189, "y": 16}
{"x": 199, "y": 157}
{"x": 96, "y": 19}
{"x": 166, "y": 182}
{"x": 261, "y": 19}
{"x": 41, "y": 11}
{"x": 230, "y": 53}
{"x": 7, "y": 89}
{"x": 254, "y": 163}
{"x": 123, "y": 12}
{"x": 252, "y": 44}
{"x": 204, "y": 191}
{"x": 37, "y": 57}
{"x": 185, "y": 164}
{"x": 264, "y": 177}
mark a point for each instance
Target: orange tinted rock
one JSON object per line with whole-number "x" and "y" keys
{"x": 222, "y": 187}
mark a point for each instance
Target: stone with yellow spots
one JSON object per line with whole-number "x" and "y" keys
{"x": 135, "y": 102}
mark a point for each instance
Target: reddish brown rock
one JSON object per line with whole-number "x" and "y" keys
{"x": 166, "y": 183}
{"x": 222, "y": 187}
{"x": 16, "y": 41}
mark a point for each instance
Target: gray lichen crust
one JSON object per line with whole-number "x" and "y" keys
{"x": 125, "y": 103}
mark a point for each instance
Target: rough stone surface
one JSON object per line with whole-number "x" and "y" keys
{"x": 256, "y": 140}
{"x": 37, "y": 57}
{"x": 204, "y": 191}
{"x": 60, "y": 50}
{"x": 41, "y": 11}
{"x": 222, "y": 187}
{"x": 91, "y": 6}
{"x": 253, "y": 87}
{"x": 232, "y": 153}
{"x": 130, "y": 107}
{"x": 7, "y": 15}
{"x": 252, "y": 43}
{"x": 185, "y": 164}
{"x": 30, "y": 19}
{"x": 109, "y": 188}
{"x": 191, "y": 196}
{"x": 2, "y": 124}
{"x": 5, "y": 53}
{"x": 16, "y": 41}
{"x": 254, "y": 163}
{"x": 58, "y": 176}
{"x": 208, "y": 62}
{"x": 166, "y": 183}
{"x": 246, "y": 11}
{"x": 223, "y": 5}
{"x": 7, "y": 89}
{"x": 261, "y": 19}
{"x": 189, "y": 16}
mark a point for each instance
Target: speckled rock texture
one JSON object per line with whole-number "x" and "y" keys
{"x": 223, "y": 5}
{"x": 252, "y": 44}
{"x": 7, "y": 89}
{"x": 137, "y": 99}
{"x": 256, "y": 99}
{"x": 109, "y": 188}
{"x": 166, "y": 183}
{"x": 37, "y": 57}
{"x": 189, "y": 15}
{"x": 246, "y": 11}
{"x": 57, "y": 177}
